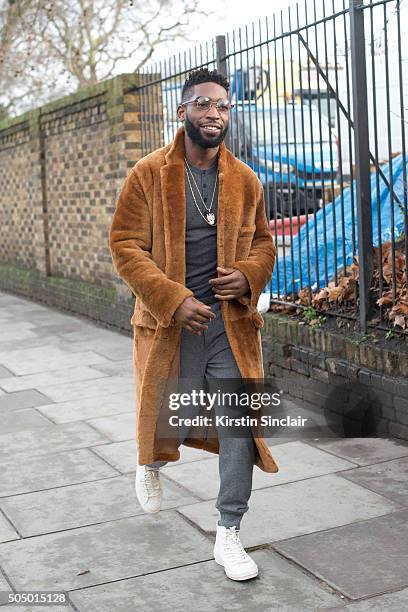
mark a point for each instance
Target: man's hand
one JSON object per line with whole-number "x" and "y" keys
{"x": 192, "y": 313}
{"x": 230, "y": 285}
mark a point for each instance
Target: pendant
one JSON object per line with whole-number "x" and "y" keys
{"x": 210, "y": 218}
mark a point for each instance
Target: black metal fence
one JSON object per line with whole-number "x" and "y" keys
{"x": 320, "y": 115}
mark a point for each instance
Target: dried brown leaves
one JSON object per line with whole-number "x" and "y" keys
{"x": 388, "y": 282}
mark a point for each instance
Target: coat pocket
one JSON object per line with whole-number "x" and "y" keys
{"x": 143, "y": 318}
{"x": 143, "y": 332}
{"x": 144, "y": 324}
{"x": 247, "y": 230}
{"x": 244, "y": 241}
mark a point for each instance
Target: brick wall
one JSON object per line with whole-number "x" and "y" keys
{"x": 77, "y": 190}
{"x": 19, "y": 189}
{"x": 366, "y": 385}
{"x": 61, "y": 168}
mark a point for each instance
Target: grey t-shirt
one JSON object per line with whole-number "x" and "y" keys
{"x": 201, "y": 238}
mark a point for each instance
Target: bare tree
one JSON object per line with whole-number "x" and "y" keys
{"x": 51, "y": 47}
{"x": 11, "y": 17}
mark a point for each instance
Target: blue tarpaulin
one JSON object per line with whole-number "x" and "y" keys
{"x": 337, "y": 233}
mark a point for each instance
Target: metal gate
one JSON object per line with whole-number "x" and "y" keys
{"x": 320, "y": 115}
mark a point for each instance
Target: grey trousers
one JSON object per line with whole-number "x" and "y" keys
{"x": 209, "y": 356}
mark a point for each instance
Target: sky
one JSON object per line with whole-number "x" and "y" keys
{"x": 229, "y": 15}
{"x": 226, "y": 16}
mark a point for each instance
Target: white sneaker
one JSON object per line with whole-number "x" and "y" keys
{"x": 148, "y": 489}
{"x": 229, "y": 552}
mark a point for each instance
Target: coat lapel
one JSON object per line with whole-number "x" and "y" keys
{"x": 174, "y": 209}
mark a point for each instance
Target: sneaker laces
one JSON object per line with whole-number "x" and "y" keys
{"x": 152, "y": 482}
{"x": 233, "y": 545}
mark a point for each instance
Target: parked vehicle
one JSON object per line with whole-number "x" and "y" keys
{"x": 295, "y": 158}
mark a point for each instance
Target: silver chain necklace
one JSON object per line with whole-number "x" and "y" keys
{"x": 209, "y": 217}
{"x": 195, "y": 183}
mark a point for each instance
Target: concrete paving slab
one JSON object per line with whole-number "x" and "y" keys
{"x": 275, "y": 441}
{"x": 188, "y": 454}
{"x": 5, "y": 318}
{"x": 204, "y": 586}
{"x": 83, "y": 504}
{"x": 36, "y": 341}
{"x": 51, "y": 377}
{"x": 115, "y": 347}
{"x": 101, "y": 553}
{"x": 5, "y": 589}
{"x": 7, "y": 533}
{"x": 112, "y": 351}
{"x": 123, "y": 367}
{"x": 93, "y": 333}
{"x": 297, "y": 508}
{"x": 5, "y": 373}
{"x": 29, "y": 398}
{"x": 296, "y": 460}
{"x": 5, "y": 314}
{"x": 4, "y": 600}
{"x": 54, "y": 317}
{"x": 360, "y": 560}
{"x": 18, "y": 310}
{"x": 90, "y": 407}
{"x": 19, "y": 302}
{"x": 36, "y": 318}
{"x": 122, "y": 455}
{"x": 4, "y": 585}
{"x": 89, "y": 388}
{"x": 55, "y": 438}
{"x": 391, "y": 602}
{"x": 59, "y": 325}
{"x": 365, "y": 451}
{"x": 33, "y": 312}
{"x": 24, "y": 473}
{"x": 21, "y": 420}
{"x": 30, "y": 313}
{"x": 15, "y": 326}
{"x": 116, "y": 428}
{"x": 16, "y": 335}
{"x": 33, "y": 360}
{"x": 12, "y": 608}
{"x": 389, "y": 478}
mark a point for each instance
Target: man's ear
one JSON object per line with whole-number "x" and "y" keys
{"x": 181, "y": 111}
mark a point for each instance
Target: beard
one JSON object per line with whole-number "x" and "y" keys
{"x": 199, "y": 139}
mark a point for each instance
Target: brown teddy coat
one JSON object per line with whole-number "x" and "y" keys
{"x": 147, "y": 243}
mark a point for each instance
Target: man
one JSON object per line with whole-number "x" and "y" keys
{"x": 191, "y": 239}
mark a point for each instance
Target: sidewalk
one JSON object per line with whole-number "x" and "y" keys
{"x": 329, "y": 530}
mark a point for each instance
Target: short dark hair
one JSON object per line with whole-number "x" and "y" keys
{"x": 203, "y": 75}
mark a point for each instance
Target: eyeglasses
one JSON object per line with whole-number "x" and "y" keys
{"x": 203, "y": 103}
